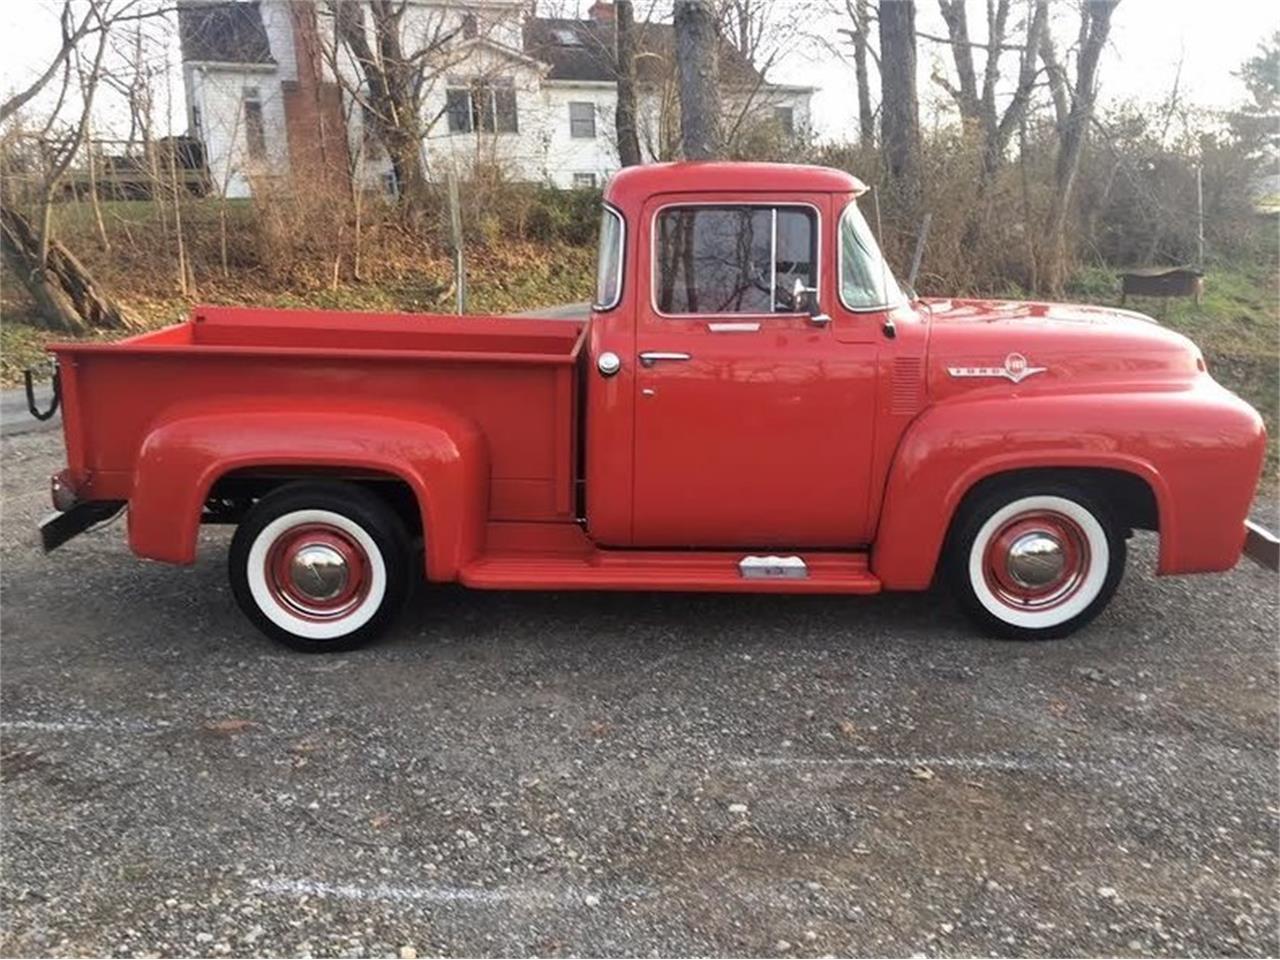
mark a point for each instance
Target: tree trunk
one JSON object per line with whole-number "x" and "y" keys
{"x": 64, "y": 291}
{"x": 956, "y": 18}
{"x": 697, "y": 57}
{"x": 393, "y": 82}
{"x": 866, "y": 116}
{"x": 899, "y": 109}
{"x": 625, "y": 114}
{"x": 999, "y": 134}
{"x": 1097, "y": 23}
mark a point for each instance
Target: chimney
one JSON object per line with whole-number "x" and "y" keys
{"x": 601, "y": 12}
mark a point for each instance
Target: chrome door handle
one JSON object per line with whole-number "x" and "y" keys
{"x": 650, "y": 357}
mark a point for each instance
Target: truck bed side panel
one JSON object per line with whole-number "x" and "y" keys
{"x": 519, "y": 392}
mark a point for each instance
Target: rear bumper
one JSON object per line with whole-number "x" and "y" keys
{"x": 1261, "y": 545}
{"x": 57, "y": 528}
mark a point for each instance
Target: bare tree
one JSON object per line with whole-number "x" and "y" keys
{"x": 1095, "y": 24}
{"x": 698, "y": 64}
{"x": 66, "y": 295}
{"x": 764, "y": 30}
{"x": 393, "y": 81}
{"x": 859, "y": 34}
{"x": 977, "y": 105}
{"x": 899, "y": 107}
{"x": 72, "y": 34}
{"x": 625, "y": 60}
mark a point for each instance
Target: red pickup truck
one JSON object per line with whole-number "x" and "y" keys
{"x": 755, "y": 404}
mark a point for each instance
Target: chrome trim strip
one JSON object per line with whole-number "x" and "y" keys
{"x": 882, "y": 308}
{"x": 773, "y": 568}
{"x": 622, "y": 259}
{"x": 748, "y": 326}
{"x": 1261, "y": 545}
{"x": 773, "y": 258}
{"x": 775, "y": 204}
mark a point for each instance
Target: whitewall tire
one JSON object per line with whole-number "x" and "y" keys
{"x": 320, "y": 566}
{"x": 1032, "y": 560}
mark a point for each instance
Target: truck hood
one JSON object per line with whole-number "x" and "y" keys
{"x": 1004, "y": 344}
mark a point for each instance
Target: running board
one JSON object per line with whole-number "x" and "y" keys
{"x": 672, "y": 570}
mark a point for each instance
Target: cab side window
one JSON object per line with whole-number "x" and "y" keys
{"x": 733, "y": 258}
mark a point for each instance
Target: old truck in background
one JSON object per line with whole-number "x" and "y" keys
{"x": 754, "y": 405}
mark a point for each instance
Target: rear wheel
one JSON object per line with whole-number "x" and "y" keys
{"x": 1035, "y": 560}
{"x": 320, "y": 566}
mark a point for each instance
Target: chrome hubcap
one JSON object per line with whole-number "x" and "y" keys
{"x": 318, "y": 572}
{"x": 1036, "y": 560}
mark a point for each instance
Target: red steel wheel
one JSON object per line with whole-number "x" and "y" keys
{"x": 320, "y": 566}
{"x": 1037, "y": 561}
{"x": 1031, "y": 560}
{"x": 318, "y": 570}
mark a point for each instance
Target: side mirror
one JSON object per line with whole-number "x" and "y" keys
{"x": 806, "y": 299}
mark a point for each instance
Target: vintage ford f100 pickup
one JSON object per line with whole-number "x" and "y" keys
{"x": 754, "y": 404}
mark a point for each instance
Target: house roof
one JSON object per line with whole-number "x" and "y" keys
{"x": 583, "y": 50}
{"x": 223, "y": 32}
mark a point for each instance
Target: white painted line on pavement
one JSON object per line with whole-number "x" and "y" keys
{"x": 391, "y": 893}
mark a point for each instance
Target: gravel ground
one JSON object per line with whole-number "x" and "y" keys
{"x": 626, "y": 774}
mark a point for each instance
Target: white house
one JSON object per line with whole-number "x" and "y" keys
{"x": 532, "y": 95}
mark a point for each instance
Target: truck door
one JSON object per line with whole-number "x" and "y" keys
{"x": 753, "y": 422}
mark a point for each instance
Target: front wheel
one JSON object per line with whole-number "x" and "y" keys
{"x": 320, "y": 566}
{"x": 1035, "y": 561}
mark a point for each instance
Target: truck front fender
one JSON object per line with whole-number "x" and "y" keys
{"x": 1198, "y": 449}
{"x": 441, "y": 456}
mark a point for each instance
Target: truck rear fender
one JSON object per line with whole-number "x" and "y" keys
{"x": 441, "y": 456}
{"x": 953, "y": 447}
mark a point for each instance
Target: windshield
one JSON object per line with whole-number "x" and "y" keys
{"x": 609, "y": 260}
{"x": 865, "y": 280}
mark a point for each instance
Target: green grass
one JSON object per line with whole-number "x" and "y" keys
{"x": 1236, "y": 324}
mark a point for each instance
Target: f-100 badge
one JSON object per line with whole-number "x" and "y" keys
{"x": 1016, "y": 368}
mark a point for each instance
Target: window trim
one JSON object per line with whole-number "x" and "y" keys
{"x": 607, "y": 207}
{"x": 774, "y": 205}
{"x": 789, "y": 126}
{"x": 475, "y": 114}
{"x": 591, "y": 106}
{"x": 881, "y": 308}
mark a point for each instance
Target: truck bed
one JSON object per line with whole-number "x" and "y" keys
{"x": 515, "y": 378}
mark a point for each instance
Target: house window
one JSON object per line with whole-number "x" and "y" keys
{"x": 733, "y": 259}
{"x": 582, "y": 120}
{"x": 566, "y": 38}
{"x": 488, "y": 106}
{"x": 584, "y": 181}
{"x": 786, "y": 119}
{"x": 254, "y": 131}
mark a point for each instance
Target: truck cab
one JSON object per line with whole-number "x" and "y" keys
{"x": 754, "y": 404}
{"x": 754, "y": 385}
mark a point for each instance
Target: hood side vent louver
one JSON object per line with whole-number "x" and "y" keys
{"x": 906, "y": 392}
